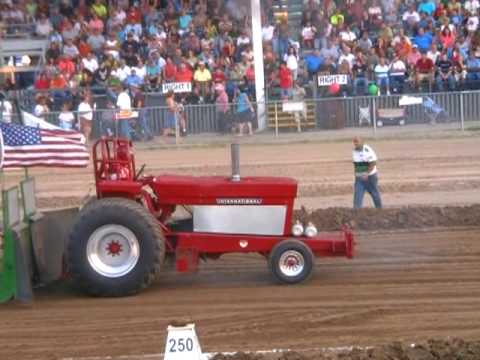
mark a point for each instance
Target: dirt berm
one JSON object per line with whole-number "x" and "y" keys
{"x": 452, "y": 349}
{"x": 391, "y": 218}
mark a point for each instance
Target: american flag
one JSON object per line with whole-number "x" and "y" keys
{"x": 27, "y": 146}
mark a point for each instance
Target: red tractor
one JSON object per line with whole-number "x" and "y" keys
{"x": 120, "y": 240}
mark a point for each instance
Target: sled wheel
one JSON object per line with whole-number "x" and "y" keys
{"x": 291, "y": 262}
{"x": 116, "y": 248}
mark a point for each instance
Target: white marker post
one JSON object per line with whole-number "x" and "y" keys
{"x": 182, "y": 343}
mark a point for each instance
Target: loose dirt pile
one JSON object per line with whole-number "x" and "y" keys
{"x": 394, "y": 218}
{"x": 453, "y": 349}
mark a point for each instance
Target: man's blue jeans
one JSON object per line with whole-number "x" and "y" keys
{"x": 371, "y": 186}
{"x": 124, "y": 130}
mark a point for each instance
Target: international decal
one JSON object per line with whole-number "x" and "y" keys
{"x": 239, "y": 201}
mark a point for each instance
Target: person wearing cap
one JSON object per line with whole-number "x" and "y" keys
{"x": 413, "y": 57}
{"x": 134, "y": 79}
{"x": 366, "y": 174}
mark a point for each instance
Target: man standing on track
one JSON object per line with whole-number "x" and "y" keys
{"x": 366, "y": 178}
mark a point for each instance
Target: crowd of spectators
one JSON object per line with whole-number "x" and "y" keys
{"x": 101, "y": 44}
{"x": 400, "y": 46}
{"x": 104, "y": 45}
{"x": 108, "y": 47}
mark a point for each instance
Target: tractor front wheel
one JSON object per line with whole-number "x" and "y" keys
{"x": 116, "y": 248}
{"x": 291, "y": 262}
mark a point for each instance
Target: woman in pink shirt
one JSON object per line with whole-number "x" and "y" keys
{"x": 447, "y": 38}
{"x": 95, "y": 23}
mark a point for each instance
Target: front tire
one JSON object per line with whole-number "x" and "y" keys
{"x": 116, "y": 248}
{"x": 291, "y": 262}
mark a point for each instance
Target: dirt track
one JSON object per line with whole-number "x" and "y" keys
{"x": 412, "y": 172}
{"x": 403, "y": 285}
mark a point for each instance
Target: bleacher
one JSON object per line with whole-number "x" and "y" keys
{"x": 277, "y": 118}
{"x": 11, "y": 48}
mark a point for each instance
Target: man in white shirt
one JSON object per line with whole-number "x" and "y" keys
{"x": 90, "y": 62}
{"x": 472, "y": 5}
{"x": 6, "y": 109}
{"x": 85, "y": 115}
{"x": 381, "y": 75}
{"x": 366, "y": 174}
{"x": 347, "y": 56}
{"x": 124, "y": 104}
{"x": 398, "y": 69}
{"x": 411, "y": 17}
{"x": 348, "y": 36}
{"x": 267, "y": 32}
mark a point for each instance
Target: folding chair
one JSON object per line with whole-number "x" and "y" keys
{"x": 434, "y": 111}
{"x": 364, "y": 116}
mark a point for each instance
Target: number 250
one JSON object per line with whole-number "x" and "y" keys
{"x": 180, "y": 345}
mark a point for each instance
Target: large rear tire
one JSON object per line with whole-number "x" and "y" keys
{"x": 116, "y": 248}
{"x": 291, "y": 262}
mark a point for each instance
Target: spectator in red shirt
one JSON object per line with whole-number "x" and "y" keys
{"x": 134, "y": 15}
{"x": 184, "y": 74}
{"x": 447, "y": 38}
{"x": 66, "y": 66}
{"x": 83, "y": 48}
{"x": 218, "y": 76}
{"x": 286, "y": 80}
{"x": 42, "y": 83}
{"x": 424, "y": 70}
{"x": 169, "y": 70}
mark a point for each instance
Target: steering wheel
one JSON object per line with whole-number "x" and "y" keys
{"x": 140, "y": 172}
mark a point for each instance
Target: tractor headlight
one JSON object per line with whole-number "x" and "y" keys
{"x": 297, "y": 229}
{"x": 311, "y": 230}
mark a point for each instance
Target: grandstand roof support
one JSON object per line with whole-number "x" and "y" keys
{"x": 258, "y": 62}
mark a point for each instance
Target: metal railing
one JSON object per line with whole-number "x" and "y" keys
{"x": 325, "y": 113}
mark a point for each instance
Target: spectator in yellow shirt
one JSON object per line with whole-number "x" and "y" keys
{"x": 203, "y": 79}
{"x": 100, "y": 9}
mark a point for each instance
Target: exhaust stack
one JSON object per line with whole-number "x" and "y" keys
{"x": 235, "y": 150}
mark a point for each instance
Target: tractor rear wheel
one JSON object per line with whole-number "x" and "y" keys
{"x": 291, "y": 261}
{"x": 116, "y": 248}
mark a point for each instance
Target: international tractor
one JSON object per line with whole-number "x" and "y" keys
{"x": 119, "y": 241}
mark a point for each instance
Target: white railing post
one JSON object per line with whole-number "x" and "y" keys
{"x": 374, "y": 109}
{"x": 276, "y": 119}
{"x": 462, "y": 113}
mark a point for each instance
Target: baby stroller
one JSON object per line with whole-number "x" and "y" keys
{"x": 433, "y": 111}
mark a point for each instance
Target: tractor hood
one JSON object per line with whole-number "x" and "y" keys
{"x": 219, "y": 190}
